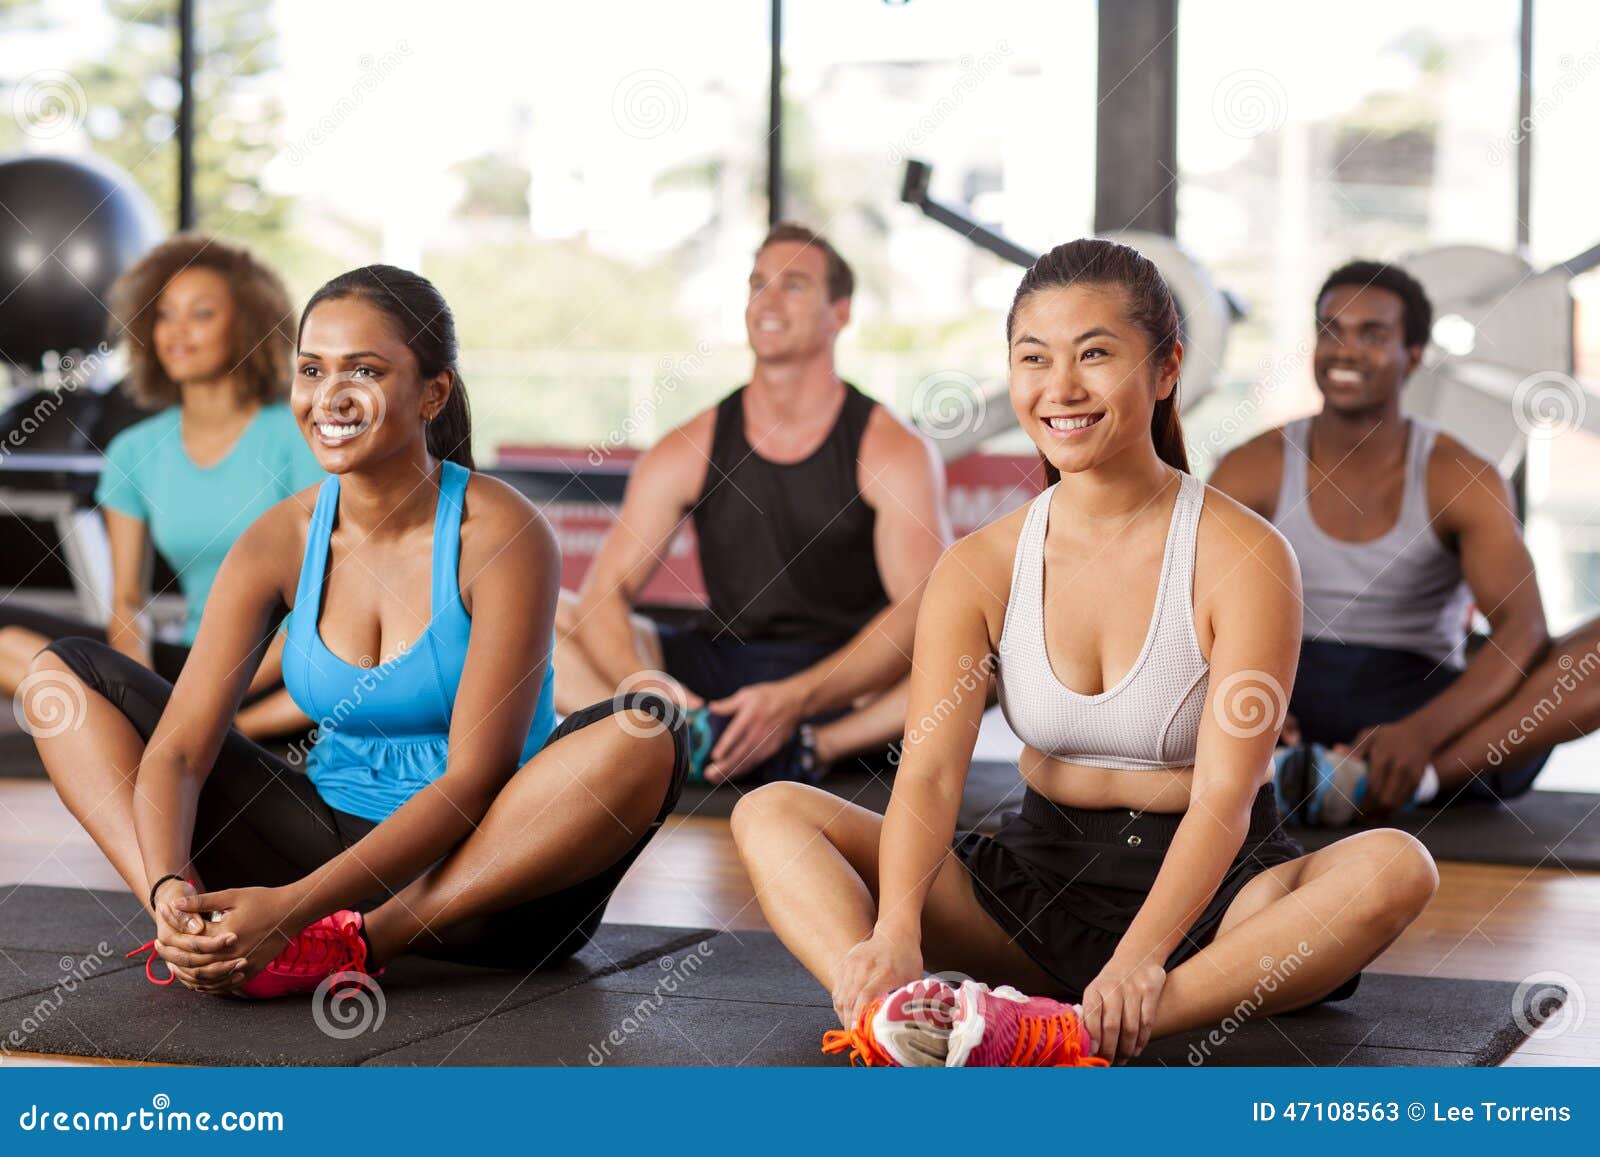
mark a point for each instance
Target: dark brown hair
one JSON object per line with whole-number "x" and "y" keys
{"x": 1149, "y": 307}
{"x": 841, "y": 281}
{"x": 263, "y": 342}
{"x": 428, "y": 329}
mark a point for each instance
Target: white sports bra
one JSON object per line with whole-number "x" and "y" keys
{"x": 1150, "y": 720}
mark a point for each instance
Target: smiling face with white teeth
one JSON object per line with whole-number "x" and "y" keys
{"x": 788, "y": 316}
{"x": 358, "y": 396}
{"x": 1361, "y": 357}
{"x": 1082, "y": 381}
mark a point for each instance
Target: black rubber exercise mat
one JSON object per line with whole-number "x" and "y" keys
{"x": 1541, "y": 829}
{"x": 111, "y": 1010}
{"x": 993, "y": 788}
{"x": 636, "y": 996}
{"x": 740, "y": 998}
{"x": 18, "y": 757}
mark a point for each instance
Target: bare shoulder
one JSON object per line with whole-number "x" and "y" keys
{"x": 499, "y": 521}
{"x": 274, "y": 545}
{"x": 1237, "y": 549}
{"x": 1253, "y": 472}
{"x": 896, "y": 456}
{"x": 676, "y": 464}
{"x": 981, "y": 563}
{"x": 1463, "y": 483}
{"x": 888, "y": 435}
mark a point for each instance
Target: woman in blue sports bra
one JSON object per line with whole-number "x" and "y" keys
{"x": 444, "y": 812}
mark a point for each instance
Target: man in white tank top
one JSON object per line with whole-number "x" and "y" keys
{"x": 1400, "y": 531}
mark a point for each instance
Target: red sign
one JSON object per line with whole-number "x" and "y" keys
{"x": 981, "y": 488}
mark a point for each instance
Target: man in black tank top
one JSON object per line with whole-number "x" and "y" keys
{"x": 1417, "y": 729}
{"x": 819, "y": 516}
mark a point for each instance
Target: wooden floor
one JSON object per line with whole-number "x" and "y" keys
{"x": 1486, "y": 922}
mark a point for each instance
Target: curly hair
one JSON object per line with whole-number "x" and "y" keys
{"x": 1417, "y": 310}
{"x": 263, "y": 318}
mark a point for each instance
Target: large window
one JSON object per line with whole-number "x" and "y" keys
{"x": 99, "y": 77}
{"x": 999, "y": 98}
{"x": 584, "y": 183}
{"x": 1564, "y": 520}
{"x": 1310, "y": 135}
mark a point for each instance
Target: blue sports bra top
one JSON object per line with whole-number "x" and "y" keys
{"x": 383, "y": 730}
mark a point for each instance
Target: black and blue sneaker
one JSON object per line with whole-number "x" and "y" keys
{"x": 1317, "y": 789}
{"x": 795, "y": 760}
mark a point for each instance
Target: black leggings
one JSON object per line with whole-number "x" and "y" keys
{"x": 167, "y": 658}
{"x": 260, "y": 823}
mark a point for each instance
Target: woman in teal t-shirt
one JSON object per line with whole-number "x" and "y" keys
{"x": 209, "y": 337}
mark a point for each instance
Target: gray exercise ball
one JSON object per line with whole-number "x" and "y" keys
{"x": 71, "y": 227}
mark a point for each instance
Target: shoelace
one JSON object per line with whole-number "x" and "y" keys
{"x": 149, "y": 963}
{"x": 314, "y": 952}
{"x": 862, "y": 1045}
{"x": 1053, "y": 1041}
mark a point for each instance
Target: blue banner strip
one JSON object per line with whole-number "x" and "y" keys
{"x": 818, "y": 1112}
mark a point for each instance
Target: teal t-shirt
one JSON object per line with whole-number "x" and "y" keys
{"x": 195, "y": 514}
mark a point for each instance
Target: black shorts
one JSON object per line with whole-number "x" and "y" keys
{"x": 1065, "y": 883}
{"x": 1341, "y": 689}
{"x": 260, "y": 823}
{"x": 715, "y": 668}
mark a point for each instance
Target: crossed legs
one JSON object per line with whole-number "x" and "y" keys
{"x": 813, "y": 859}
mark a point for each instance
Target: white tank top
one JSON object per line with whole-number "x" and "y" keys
{"x": 1403, "y": 590}
{"x": 1150, "y": 720}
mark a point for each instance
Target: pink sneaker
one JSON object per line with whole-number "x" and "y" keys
{"x": 332, "y": 945}
{"x": 908, "y": 1028}
{"x": 1002, "y": 1027}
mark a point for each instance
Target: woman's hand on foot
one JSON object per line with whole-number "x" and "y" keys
{"x": 877, "y": 966}
{"x": 258, "y": 921}
{"x": 1119, "y": 1008}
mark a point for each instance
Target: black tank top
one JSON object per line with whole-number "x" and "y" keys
{"x": 786, "y": 550}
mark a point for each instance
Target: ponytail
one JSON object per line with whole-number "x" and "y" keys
{"x": 450, "y": 433}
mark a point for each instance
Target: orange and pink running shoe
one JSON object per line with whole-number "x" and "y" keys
{"x": 332, "y": 945}
{"x": 931, "y": 1022}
